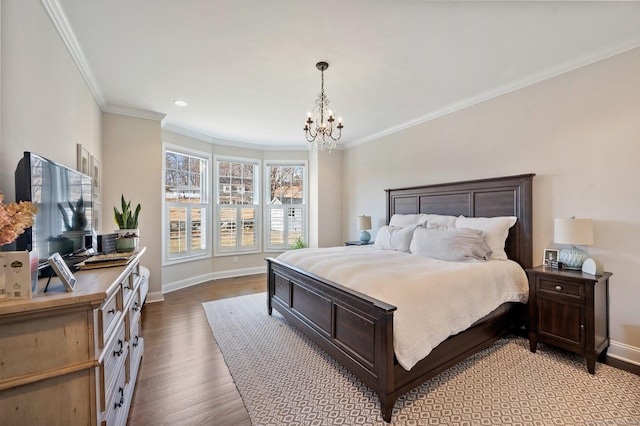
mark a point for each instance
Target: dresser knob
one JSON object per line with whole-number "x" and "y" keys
{"x": 559, "y": 287}
{"x": 582, "y": 326}
{"x": 119, "y": 352}
{"x": 119, "y": 404}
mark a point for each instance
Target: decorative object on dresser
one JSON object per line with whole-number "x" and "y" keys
{"x": 358, "y": 330}
{"x": 364, "y": 224}
{"x": 570, "y": 309}
{"x": 73, "y": 358}
{"x": 322, "y": 134}
{"x": 576, "y": 232}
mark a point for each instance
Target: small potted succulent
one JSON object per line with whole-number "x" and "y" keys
{"x": 127, "y": 221}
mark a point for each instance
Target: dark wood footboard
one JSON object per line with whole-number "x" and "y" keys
{"x": 357, "y": 331}
{"x": 354, "y": 329}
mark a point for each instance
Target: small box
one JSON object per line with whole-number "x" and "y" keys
{"x": 19, "y": 273}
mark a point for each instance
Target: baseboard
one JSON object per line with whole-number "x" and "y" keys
{"x": 625, "y": 353}
{"x": 155, "y": 296}
{"x": 188, "y": 282}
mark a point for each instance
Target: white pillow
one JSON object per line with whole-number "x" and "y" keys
{"x": 439, "y": 220}
{"x": 394, "y": 237}
{"x": 451, "y": 244}
{"x": 496, "y": 230}
{"x": 404, "y": 219}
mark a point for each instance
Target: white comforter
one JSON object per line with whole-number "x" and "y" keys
{"x": 435, "y": 298}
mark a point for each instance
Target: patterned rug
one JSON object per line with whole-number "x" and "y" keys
{"x": 285, "y": 379}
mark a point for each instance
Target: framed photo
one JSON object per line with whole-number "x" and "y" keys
{"x": 83, "y": 160}
{"x": 96, "y": 174}
{"x": 62, "y": 271}
{"x": 550, "y": 258}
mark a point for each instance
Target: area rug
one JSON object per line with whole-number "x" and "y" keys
{"x": 285, "y": 379}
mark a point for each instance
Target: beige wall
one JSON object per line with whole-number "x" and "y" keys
{"x": 325, "y": 203}
{"x": 580, "y": 134}
{"x": 48, "y": 119}
{"x": 132, "y": 165}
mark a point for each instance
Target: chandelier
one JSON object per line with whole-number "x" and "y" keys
{"x": 319, "y": 128}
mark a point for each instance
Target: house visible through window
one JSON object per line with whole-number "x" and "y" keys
{"x": 186, "y": 212}
{"x": 286, "y": 209}
{"x": 237, "y": 206}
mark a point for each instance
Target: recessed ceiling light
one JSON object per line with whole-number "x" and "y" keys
{"x": 180, "y": 103}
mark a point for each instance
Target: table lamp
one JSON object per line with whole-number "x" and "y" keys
{"x": 576, "y": 232}
{"x": 364, "y": 223}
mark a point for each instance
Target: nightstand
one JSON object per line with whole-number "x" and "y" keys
{"x": 569, "y": 309}
{"x": 357, "y": 243}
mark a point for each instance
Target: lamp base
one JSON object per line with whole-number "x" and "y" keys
{"x": 572, "y": 258}
{"x": 365, "y": 237}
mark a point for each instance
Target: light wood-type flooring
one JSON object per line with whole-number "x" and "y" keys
{"x": 183, "y": 379}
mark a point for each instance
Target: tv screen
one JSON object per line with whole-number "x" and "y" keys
{"x": 63, "y": 198}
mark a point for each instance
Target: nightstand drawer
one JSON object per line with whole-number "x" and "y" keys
{"x": 565, "y": 288}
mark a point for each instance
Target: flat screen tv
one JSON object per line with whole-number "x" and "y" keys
{"x": 63, "y": 198}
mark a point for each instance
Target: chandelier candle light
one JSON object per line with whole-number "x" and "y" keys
{"x": 364, "y": 223}
{"x": 576, "y": 232}
{"x": 319, "y": 127}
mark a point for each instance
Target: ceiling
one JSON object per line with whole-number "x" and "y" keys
{"x": 247, "y": 68}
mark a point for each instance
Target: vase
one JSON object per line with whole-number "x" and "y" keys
{"x": 127, "y": 240}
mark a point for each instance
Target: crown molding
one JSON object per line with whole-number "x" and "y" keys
{"x": 228, "y": 142}
{"x": 571, "y": 65}
{"x": 59, "y": 19}
{"x": 134, "y": 112}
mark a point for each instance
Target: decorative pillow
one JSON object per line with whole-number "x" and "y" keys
{"x": 496, "y": 230}
{"x": 451, "y": 244}
{"x": 404, "y": 219}
{"x": 394, "y": 237}
{"x": 439, "y": 220}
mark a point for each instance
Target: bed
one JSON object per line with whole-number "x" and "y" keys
{"x": 357, "y": 330}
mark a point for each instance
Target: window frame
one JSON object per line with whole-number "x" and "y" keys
{"x": 305, "y": 201}
{"x": 167, "y": 257}
{"x": 218, "y": 251}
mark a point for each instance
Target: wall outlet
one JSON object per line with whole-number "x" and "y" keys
{"x": 235, "y": 259}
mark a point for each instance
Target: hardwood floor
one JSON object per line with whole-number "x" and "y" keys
{"x": 183, "y": 378}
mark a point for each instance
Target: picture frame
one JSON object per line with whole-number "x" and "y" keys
{"x": 550, "y": 258}
{"x": 83, "y": 159}
{"x": 96, "y": 174}
{"x": 62, "y": 271}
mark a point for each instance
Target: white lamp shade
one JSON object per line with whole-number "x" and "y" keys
{"x": 364, "y": 222}
{"x": 576, "y": 232}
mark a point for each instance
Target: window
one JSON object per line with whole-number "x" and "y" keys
{"x": 286, "y": 205}
{"x": 237, "y": 205}
{"x": 186, "y": 209}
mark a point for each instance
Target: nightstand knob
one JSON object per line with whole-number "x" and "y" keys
{"x": 559, "y": 287}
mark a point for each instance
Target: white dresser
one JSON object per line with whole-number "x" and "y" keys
{"x": 73, "y": 358}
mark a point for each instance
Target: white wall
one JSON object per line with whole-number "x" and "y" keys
{"x": 580, "y": 134}
{"x": 49, "y": 119}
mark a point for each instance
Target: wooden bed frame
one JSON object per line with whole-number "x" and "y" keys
{"x": 357, "y": 330}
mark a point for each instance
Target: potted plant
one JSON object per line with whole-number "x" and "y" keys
{"x": 127, "y": 221}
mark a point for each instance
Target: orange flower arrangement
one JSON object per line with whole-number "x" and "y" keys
{"x": 14, "y": 219}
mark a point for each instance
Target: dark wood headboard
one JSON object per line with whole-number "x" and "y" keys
{"x": 503, "y": 196}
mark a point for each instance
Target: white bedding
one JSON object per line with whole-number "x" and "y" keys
{"x": 435, "y": 298}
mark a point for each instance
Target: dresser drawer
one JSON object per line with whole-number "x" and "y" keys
{"x": 118, "y": 400}
{"x": 111, "y": 363}
{"x": 569, "y": 289}
{"x": 108, "y": 313}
